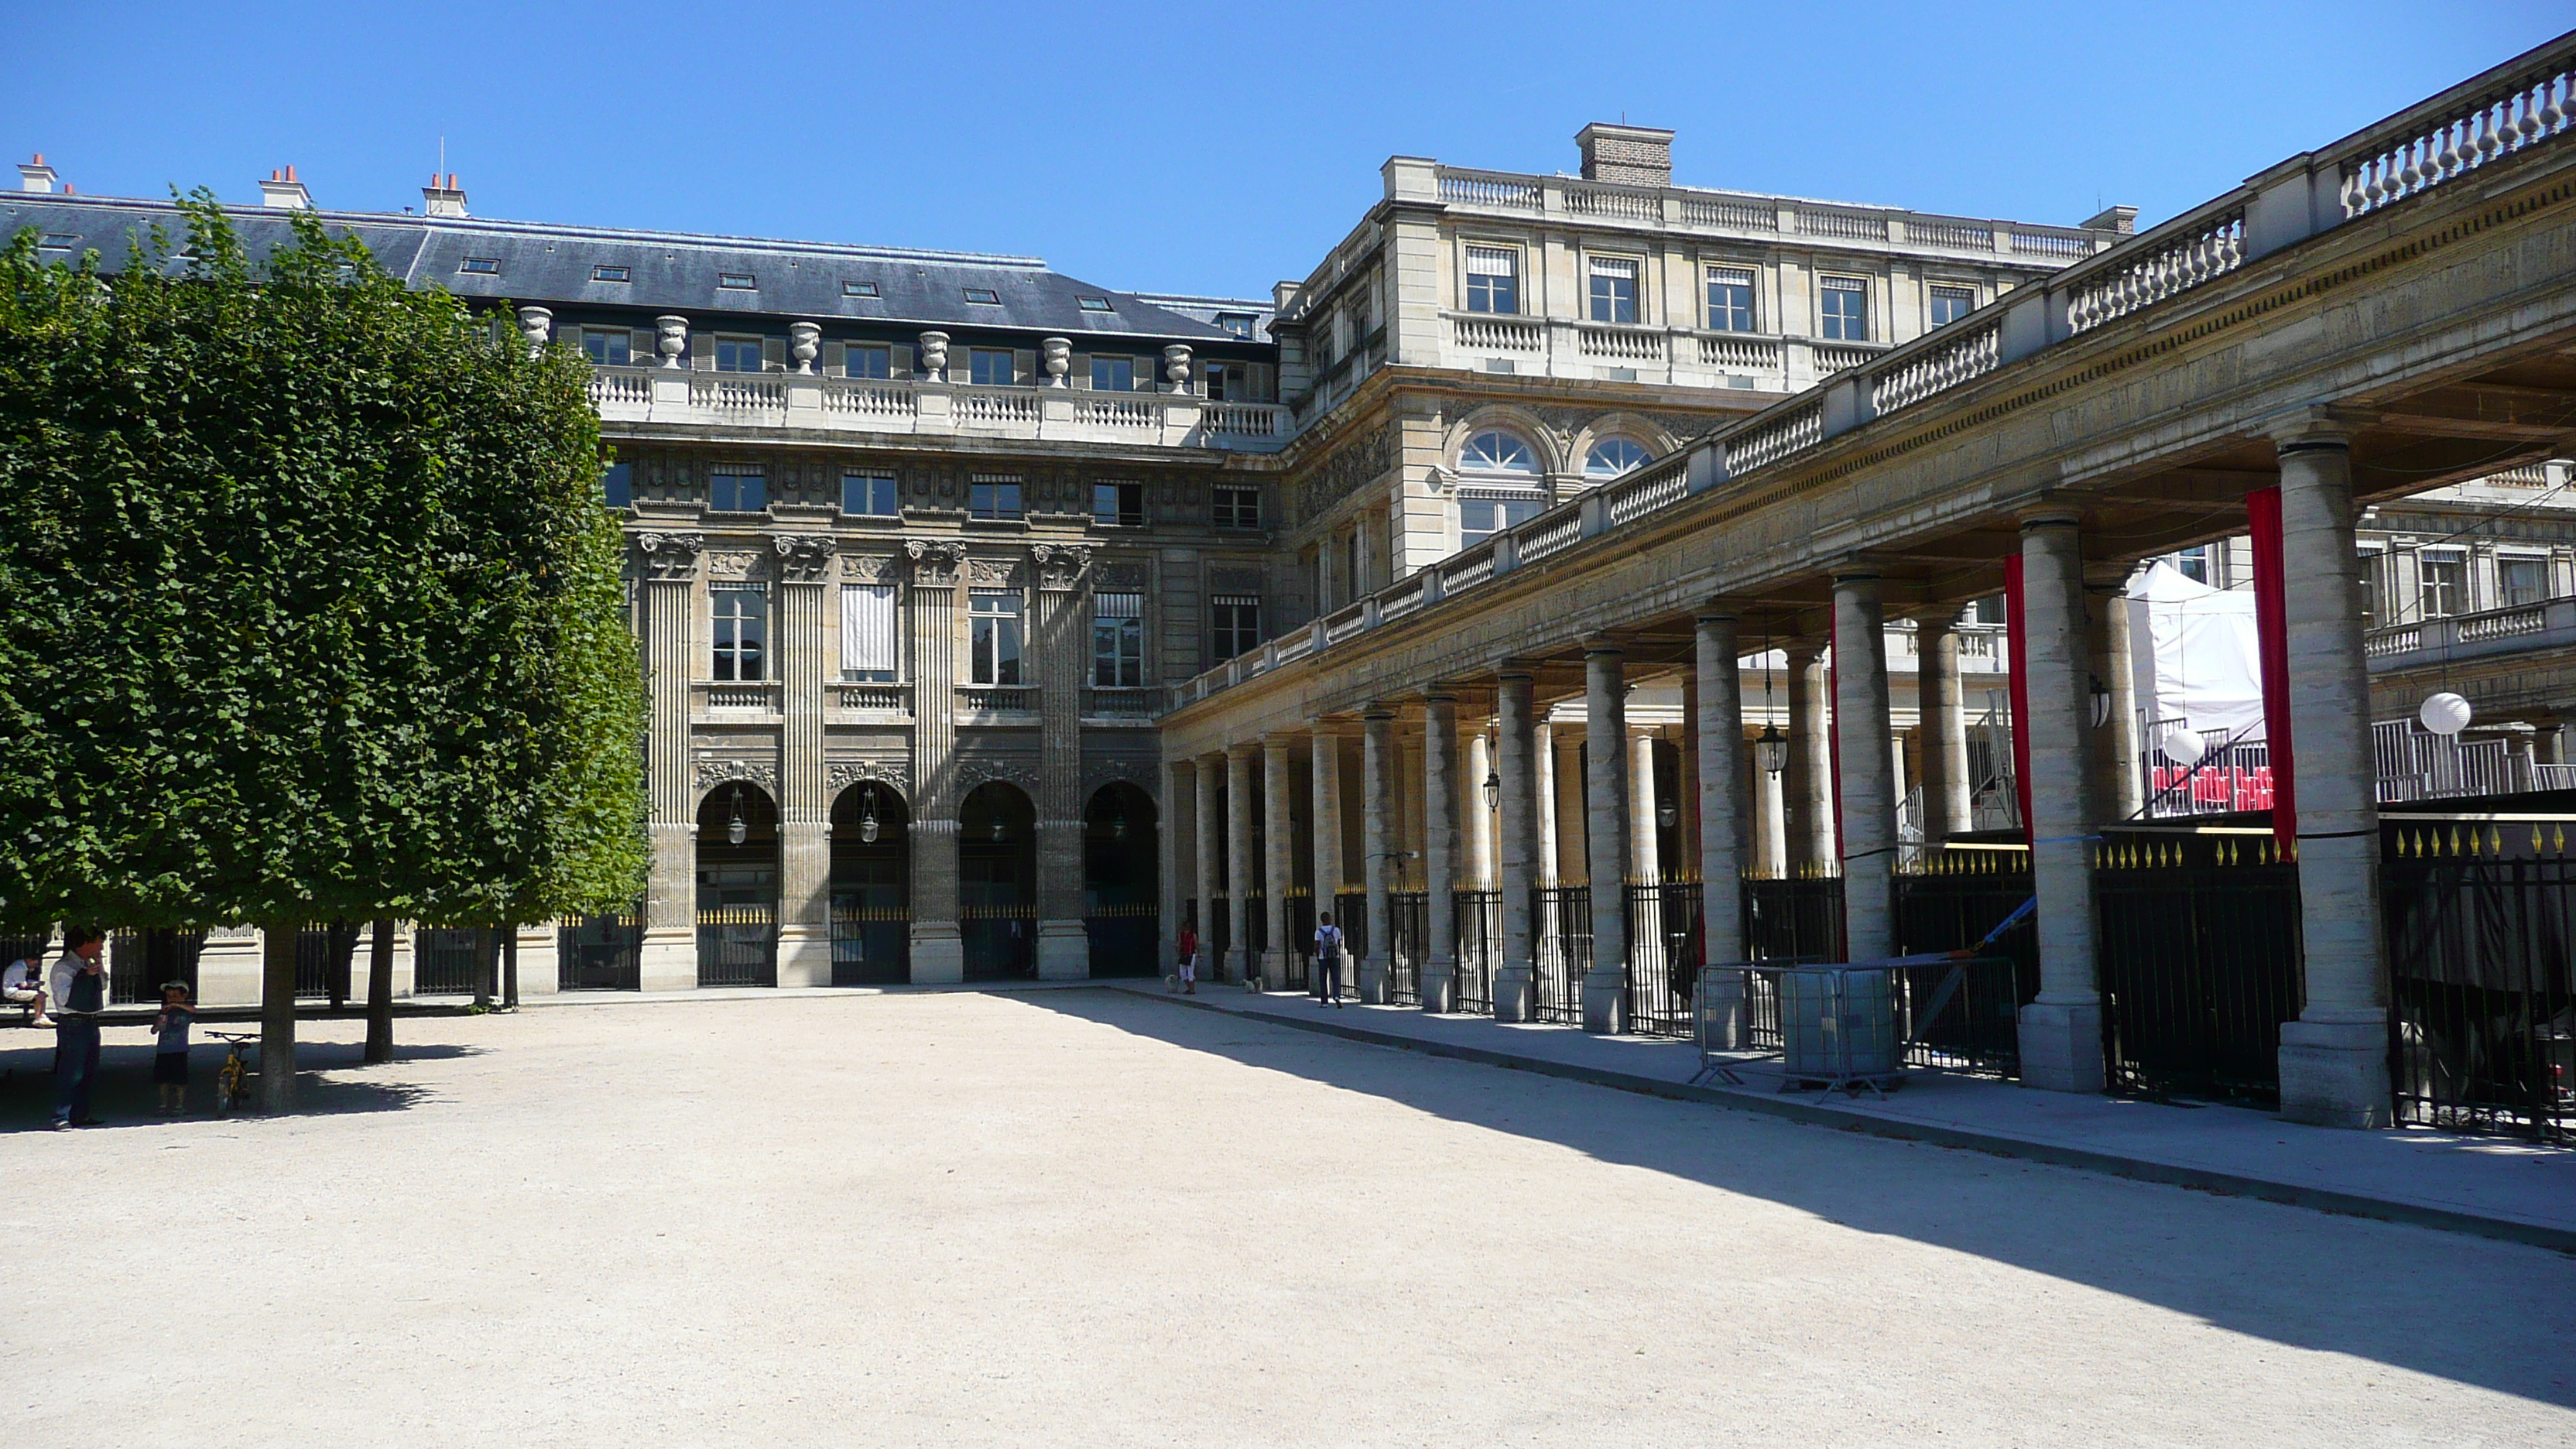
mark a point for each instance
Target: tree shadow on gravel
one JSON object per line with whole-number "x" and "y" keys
{"x": 124, "y": 1095}
{"x": 2471, "y": 1310}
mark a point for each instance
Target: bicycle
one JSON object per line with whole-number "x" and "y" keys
{"x": 232, "y": 1078}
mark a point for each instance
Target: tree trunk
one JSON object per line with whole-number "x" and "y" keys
{"x": 510, "y": 968}
{"x": 380, "y": 994}
{"x": 335, "y": 971}
{"x": 486, "y": 965}
{"x": 277, "y": 1016}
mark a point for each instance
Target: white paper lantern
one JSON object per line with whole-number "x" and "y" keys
{"x": 2445, "y": 713}
{"x": 2182, "y": 745}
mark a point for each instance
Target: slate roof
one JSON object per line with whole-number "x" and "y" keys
{"x": 669, "y": 271}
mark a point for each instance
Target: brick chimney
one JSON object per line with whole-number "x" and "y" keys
{"x": 2122, "y": 219}
{"x": 442, "y": 196}
{"x": 1628, "y": 155}
{"x": 35, "y": 175}
{"x": 283, "y": 192}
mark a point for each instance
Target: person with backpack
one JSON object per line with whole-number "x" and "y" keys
{"x": 1328, "y": 960}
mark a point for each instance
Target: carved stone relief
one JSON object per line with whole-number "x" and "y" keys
{"x": 935, "y": 564}
{"x": 867, "y": 568}
{"x": 842, "y": 774}
{"x": 713, "y": 772}
{"x": 670, "y": 555}
{"x": 993, "y": 572}
{"x": 1061, "y": 565}
{"x": 804, "y": 558}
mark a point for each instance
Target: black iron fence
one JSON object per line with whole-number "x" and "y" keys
{"x": 322, "y": 956}
{"x": 1951, "y": 900}
{"x": 1253, "y": 918}
{"x": 1350, "y": 912}
{"x": 1794, "y": 916}
{"x": 1955, "y": 1015}
{"x": 738, "y": 945}
{"x": 1126, "y": 940}
{"x": 140, "y": 963}
{"x": 1408, "y": 915}
{"x": 1000, "y": 940}
{"x": 1477, "y": 934}
{"x": 1561, "y": 922}
{"x": 445, "y": 961}
{"x": 1663, "y": 923}
{"x": 2483, "y": 1009}
{"x": 2198, "y": 958}
{"x": 1216, "y": 933}
{"x": 599, "y": 953}
{"x": 1299, "y": 971}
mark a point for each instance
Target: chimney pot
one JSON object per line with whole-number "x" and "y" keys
{"x": 282, "y": 191}
{"x": 35, "y": 175}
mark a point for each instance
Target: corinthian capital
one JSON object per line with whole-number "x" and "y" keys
{"x": 671, "y": 555}
{"x": 1061, "y": 565}
{"x": 935, "y": 563}
{"x": 803, "y": 558}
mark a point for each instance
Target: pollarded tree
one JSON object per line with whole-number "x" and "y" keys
{"x": 308, "y": 607}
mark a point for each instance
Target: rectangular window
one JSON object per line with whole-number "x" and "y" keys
{"x": 58, "y": 241}
{"x": 1118, "y": 505}
{"x": 1730, "y": 299}
{"x": 858, "y": 289}
{"x": 617, "y": 486}
{"x": 608, "y": 349}
{"x": 741, "y": 633}
{"x": 2522, "y": 580}
{"x": 1493, "y": 279}
{"x": 611, "y": 274}
{"x": 2445, "y": 583}
{"x": 868, "y": 361}
{"x": 738, "y": 354}
{"x": 1237, "y": 507}
{"x": 868, "y": 634}
{"x": 995, "y": 622}
{"x": 737, "y": 492}
{"x": 990, "y": 495}
{"x": 1844, "y": 302}
{"x": 2193, "y": 564}
{"x": 1237, "y": 619}
{"x": 1117, "y": 641}
{"x": 1481, "y": 518}
{"x": 481, "y": 266}
{"x": 1614, "y": 289}
{"x": 1225, "y": 382}
{"x": 1949, "y": 304}
{"x": 1113, "y": 374}
{"x": 737, "y": 281}
{"x": 869, "y": 494}
{"x": 989, "y": 367}
{"x": 983, "y": 297}
{"x": 1236, "y": 324}
{"x": 1094, "y": 304}
{"x": 2374, "y": 587}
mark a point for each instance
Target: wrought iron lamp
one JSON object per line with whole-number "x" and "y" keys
{"x": 1118, "y": 826}
{"x": 736, "y": 829}
{"x": 1493, "y": 789}
{"x": 868, "y": 815}
{"x": 1771, "y": 751}
{"x": 2101, "y": 695}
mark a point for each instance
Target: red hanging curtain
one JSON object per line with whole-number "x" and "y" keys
{"x": 1834, "y": 746}
{"x": 2272, "y": 646}
{"x": 2018, "y": 665}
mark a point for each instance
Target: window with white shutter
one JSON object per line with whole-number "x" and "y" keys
{"x": 868, "y": 649}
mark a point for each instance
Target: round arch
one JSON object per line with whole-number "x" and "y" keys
{"x": 871, "y": 885}
{"x": 1546, "y": 446}
{"x": 1121, "y": 880}
{"x": 737, "y": 885}
{"x": 997, "y": 911}
{"x": 1614, "y": 427}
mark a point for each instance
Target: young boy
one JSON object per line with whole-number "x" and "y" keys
{"x": 170, "y": 1050}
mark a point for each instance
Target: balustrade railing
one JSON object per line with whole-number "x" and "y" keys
{"x": 849, "y": 397}
{"x": 1620, "y": 344}
{"x": 1119, "y": 703}
{"x": 1000, "y": 407}
{"x": 1498, "y": 334}
{"x": 1240, "y": 420}
{"x": 1973, "y": 355}
{"x": 1639, "y": 495}
{"x": 2460, "y": 137}
{"x": 987, "y": 700}
{"x": 621, "y": 385}
{"x": 892, "y": 698}
{"x": 1795, "y": 431}
{"x": 1747, "y": 354}
{"x": 2209, "y": 251}
{"x": 1468, "y": 569}
{"x": 746, "y": 392}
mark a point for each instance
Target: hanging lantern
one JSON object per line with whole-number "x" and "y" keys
{"x": 1118, "y": 826}
{"x": 868, "y": 816}
{"x": 1667, "y": 813}
{"x": 2445, "y": 713}
{"x": 1000, "y": 831}
{"x": 736, "y": 829}
{"x": 1493, "y": 790}
{"x": 2183, "y": 745}
{"x": 1771, "y": 751}
{"x": 2101, "y": 696}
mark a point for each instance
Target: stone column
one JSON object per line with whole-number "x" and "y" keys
{"x": 1808, "y": 784}
{"x": 1721, "y": 818}
{"x": 805, "y": 806}
{"x": 1515, "y": 976}
{"x": 1477, "y": 817}
{"x": 1945, "y": 726}
{"x": 1239, "y": 866}
{"x": 2334, "y": 1058}
{"x": 1064, "y": 663}
{"x": 2061, "y": 1031}
{"x": 1605, "y": 729}
{"x": 1177, "y": 865}
{"x": 938, "y": 949}
{"x": 1440, "y": 851}
{"x": 670, "y": 956}
{"x": 1868, "y": 783}
{"x": 1278, "y": 858}
{"x": 1209, "y": 783}
{"x": 1645, "y": 852}
{"x": 1770, "y": 826}
{"x": 1377, "y": 779}
{"x": 1325, "y": 778}
{"x": 2118, "y": 790}
{"x": 1550, "y": 867}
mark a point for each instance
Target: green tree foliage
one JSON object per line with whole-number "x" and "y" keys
{"x": 308, "y": 606}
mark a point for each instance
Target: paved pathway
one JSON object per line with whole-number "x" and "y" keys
{"x": 1083, "y": 1217}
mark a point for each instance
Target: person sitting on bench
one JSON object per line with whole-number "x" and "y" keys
{"x": 22, "y": 985}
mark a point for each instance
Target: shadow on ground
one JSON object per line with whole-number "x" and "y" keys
{"x": 2459, "y": 1308}
{"x": 124, "y": 1095}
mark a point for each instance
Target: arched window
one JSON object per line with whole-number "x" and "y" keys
{"x": 1497, "y": 452}
{"x": 1612, "y": 457}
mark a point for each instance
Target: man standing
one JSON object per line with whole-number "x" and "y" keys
{"x": 1328, "y": 960}
{"x": 79, "y": 994}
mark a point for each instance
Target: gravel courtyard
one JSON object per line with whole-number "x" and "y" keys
{"x": 1085, "y": 1217}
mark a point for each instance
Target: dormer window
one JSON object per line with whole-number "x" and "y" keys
{"x": 858, "y": 289}
{"x": 1236, "y": 324}
{"x": 58, "y": 241}
{"x": 1094, "y": 304}
{"x": 737, "y": 282}
{"x": 983, "y": 297}
{"x": 480, "y": 266}
{"x": 612, "y": 274}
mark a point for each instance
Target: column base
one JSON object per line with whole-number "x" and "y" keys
{"x": 1064, "y": 951}
{"x": 804, "y": 954}
{"x": 938, "y": 954}
{"x": 1723, "y": 1011}
{"x": 1515, "y": 994}
{"x": 540, "y": 970}
{"x": 2061, "y": 1045}
{"x": 669, "y": 960}
{"x": 2335, "y": 1073}
{"x": 1439, "y": 986}
{"x": 1235, "y": 966}
{"x": 1373, "y": 981}
{"x": 1605, "y": 1004}
{"x": 1274, "y": 970}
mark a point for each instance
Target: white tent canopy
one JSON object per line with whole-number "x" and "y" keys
{"x": 2194, "y": 654}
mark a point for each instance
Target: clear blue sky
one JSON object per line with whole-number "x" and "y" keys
{"x": 1199, "y": 147}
